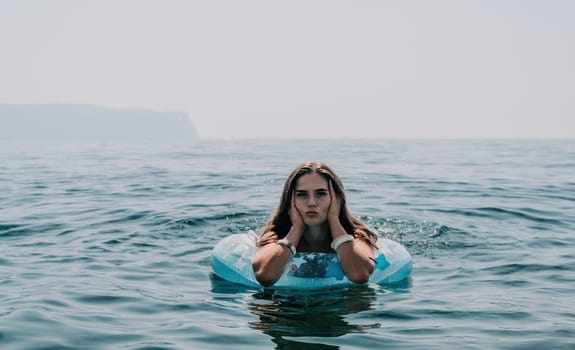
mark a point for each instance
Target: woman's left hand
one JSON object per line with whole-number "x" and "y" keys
{"x": 335, "y": 204}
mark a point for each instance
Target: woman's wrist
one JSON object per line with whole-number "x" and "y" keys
{"x": 296, "y": 229}
{"x": 294, "y": 234}
{"x": 335, "y": 226}
{"x": 288, "y": 245}
{"x": 341, "y": 240}
{"x": 333, "y": 220}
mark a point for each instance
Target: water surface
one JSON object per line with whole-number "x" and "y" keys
{"x": 106, "y": 245}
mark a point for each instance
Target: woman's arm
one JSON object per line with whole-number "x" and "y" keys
{"x": 355, "y": 256}
{"x": 270, "y": 260}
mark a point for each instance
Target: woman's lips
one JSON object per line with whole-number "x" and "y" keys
{"x": 311, "y": 213}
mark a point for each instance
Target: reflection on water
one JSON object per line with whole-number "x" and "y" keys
{"x": 319, "y": 313}
{"x": 287, "y": 314}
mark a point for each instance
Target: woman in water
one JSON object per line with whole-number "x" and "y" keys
{"x": 312, "y": 217}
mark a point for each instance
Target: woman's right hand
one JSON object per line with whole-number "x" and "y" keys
{"x": 295, "y": 216}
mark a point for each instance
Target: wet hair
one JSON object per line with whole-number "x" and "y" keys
{"x": 280, "y": 223}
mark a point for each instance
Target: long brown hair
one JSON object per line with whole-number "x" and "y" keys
{"x": 280, "y": 223}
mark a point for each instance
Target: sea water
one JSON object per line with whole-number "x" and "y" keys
{"x": 106, "y": 245}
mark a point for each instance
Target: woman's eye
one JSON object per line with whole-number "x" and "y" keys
{"x": 301, "y": 194}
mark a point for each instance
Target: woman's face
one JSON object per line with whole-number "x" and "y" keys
{"x": 312, "y": 198}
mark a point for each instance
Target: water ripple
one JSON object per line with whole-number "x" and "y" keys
{"x": 107, "y": 246}
{"x": 502, "y": 214}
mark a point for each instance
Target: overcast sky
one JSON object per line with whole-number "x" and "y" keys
{"x": 389, "y": 69}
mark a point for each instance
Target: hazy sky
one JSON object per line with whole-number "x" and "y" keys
{"x": 303, "y": 68}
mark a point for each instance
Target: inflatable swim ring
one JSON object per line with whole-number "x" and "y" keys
{"x": 232, "y": 260}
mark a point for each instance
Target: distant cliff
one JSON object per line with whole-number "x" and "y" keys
{"x": 63, "y": 121}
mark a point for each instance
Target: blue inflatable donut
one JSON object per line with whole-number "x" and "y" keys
{"x": 232, "y": 261}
